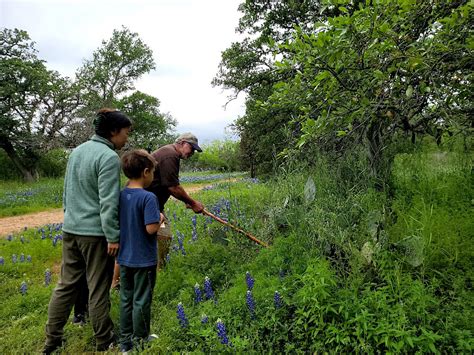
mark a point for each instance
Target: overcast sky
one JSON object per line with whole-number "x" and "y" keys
{"x": 186, "y": 36}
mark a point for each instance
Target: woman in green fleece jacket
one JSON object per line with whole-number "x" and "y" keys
{"x": 90, "y": 229}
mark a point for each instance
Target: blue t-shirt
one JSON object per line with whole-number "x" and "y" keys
{"x": 137, "y": 209}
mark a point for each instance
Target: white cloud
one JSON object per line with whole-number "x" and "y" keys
{"x": 186, "y": 36}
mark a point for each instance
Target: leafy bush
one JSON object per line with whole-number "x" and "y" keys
{"x": 8, "y": 170}
{"x": 218, "y": 155}
{"x": 53, "y": 163}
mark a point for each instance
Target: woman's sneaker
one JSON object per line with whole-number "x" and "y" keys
{"x": 79, "y": 319}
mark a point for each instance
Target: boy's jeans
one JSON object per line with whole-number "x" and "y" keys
{"x": 136, "y": 293}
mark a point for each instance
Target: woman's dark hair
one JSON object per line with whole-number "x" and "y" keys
{"x": 110, "y": 120}
{"x": 135, "y": 162}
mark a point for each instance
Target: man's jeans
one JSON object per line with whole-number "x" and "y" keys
{"x": 82, "y": 254}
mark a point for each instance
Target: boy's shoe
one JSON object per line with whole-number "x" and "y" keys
{"x": 79, "y": 319}
{"x": 126, "y": 348}
{"x": 151, "y": 337}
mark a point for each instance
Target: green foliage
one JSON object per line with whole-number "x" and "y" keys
{"x": 433, "y": 192}
{"x": 53, "y": 163}
{"x": 340, "y": 74}
{"x": 218, "y": 155}
{"x": 151, "y": 128}
{"x": 108, "y": 76}
{"x": 8, "y": 170}
{"x": 114, "y": 67}
{"x": 337, "y": 259}
{"x": 36, "y": 103}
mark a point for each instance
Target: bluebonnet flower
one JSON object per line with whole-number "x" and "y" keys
{"x": 2, "y": 260}
{"x": 194, "y": 235}
{"x": 22, "y": 239}
{"x": 227, "y": 204}
{"x": 250, "y": 304}
{"x": 222, "y": 333}
{"x": 204, "y": 319}
{"x": 181, "y": 242}
{"x": 208, "y": 288}
{"x": 209, "y": 220}
{"x": 277, "y": 300}
{"x": 194, "y": 220}
{"x": 28, "y": 258}
{"x": 249, "y": 280}
{"x": 23, "y": 288}
{"x": 167, "y": 258}
{"x": 197, "y": 293}
{"x": 47, "y": 277}
{"x": 216, "y": 209}
{"x": 183, "y": 321}
{"x": 57, "y": 238}
{"x": 14, "y": 258}
{"x": 22, "y": 257}
{"x": 10, "y": 237}
{"x": 175, "y": 217}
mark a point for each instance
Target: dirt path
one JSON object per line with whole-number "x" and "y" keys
{"x": 9, "y": 225}
{"x": 15, "y": 224}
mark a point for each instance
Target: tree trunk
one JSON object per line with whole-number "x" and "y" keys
{"x": 375, "y": 152}
{"x": 29, "y": 174}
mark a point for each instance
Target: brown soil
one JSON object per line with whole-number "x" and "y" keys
{"x": 15, "y": 224}
{"x": 9, "y": 225}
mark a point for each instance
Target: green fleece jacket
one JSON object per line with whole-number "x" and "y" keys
{"x": 92, "y": 190}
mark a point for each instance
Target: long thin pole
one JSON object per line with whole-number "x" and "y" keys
{"x": 248, "y": 235}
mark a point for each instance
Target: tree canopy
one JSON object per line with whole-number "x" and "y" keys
{"x": 40, "y": 109}
{"x": 335, "y": 74}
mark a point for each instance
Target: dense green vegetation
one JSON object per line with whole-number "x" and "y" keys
{"x": 356, "y": 269}
{"x": 335, "y": 74}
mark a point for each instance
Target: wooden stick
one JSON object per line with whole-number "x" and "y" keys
{"x": 248, "y": 235}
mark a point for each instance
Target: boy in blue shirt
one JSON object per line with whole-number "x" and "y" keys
{"x": 139, "y": 221}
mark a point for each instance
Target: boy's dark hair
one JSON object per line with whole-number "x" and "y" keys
{"x": 135, "y": 162}
{"x": 109, "y": 120}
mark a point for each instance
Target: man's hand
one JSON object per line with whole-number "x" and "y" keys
{"x": 196, "y": 206}
{"x": 179, "y": 193}
{"x": 112, "y": 248}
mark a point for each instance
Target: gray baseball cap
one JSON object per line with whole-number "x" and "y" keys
{"x": 191, "y": 139}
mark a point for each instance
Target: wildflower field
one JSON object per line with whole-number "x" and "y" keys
{"x": 349, "y": 268}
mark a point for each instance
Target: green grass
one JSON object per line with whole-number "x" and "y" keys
{"x": 17, "y": 198}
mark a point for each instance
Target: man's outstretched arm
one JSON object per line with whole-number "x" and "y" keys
{"x": 179, "y": 193}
